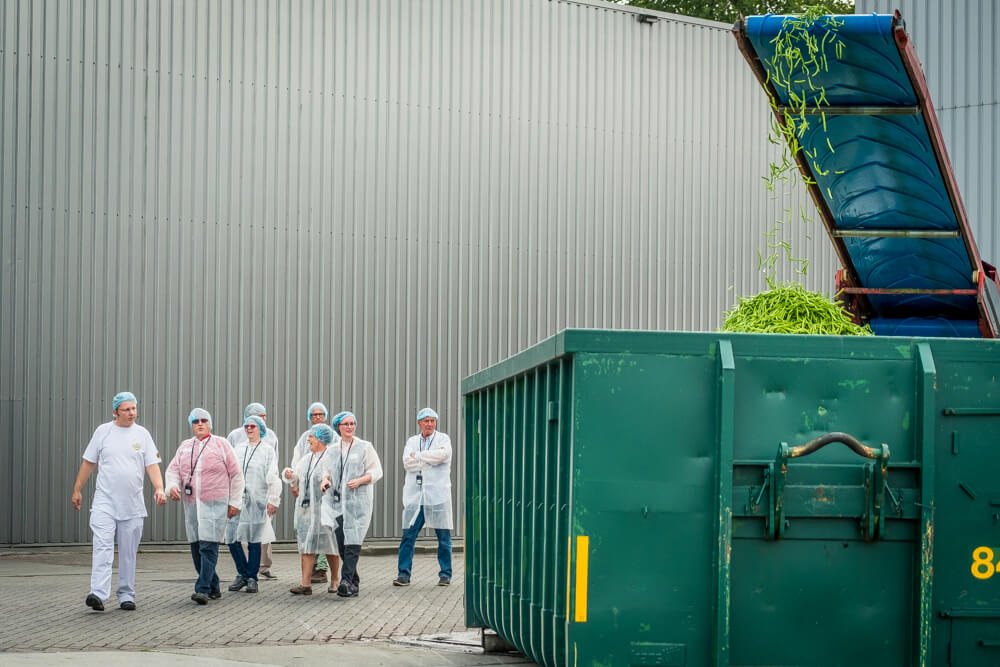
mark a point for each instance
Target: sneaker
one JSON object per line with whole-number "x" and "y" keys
{"x": 251, "y": 585}
{"x": 444, "y": 581}
{"x": 401, "y": 580}
{"x": 267, "y": 575}
{"x": 346, "y": 590}
{"x": 238, "y": 583}
{"x": 127, "y": 605}
{"x": 94, "y": 602}
{"x": 200, "y": 598}
{"x": 215, "y": 595}
{"x": 301, "y": 590}
{"x": 318, "y": 577}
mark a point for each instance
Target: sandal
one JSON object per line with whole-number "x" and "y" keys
{"x": 301, "y": 590}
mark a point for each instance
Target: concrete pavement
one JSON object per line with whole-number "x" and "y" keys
{"x": 45, "y": 621}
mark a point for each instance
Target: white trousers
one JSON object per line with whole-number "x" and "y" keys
{"x": 104, "y": 527}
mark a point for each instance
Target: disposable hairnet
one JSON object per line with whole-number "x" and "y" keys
{"x": 425, "y": 413}
{"x": 313, "y": 408}
{"x": 323, "y": 433}
{"x": 261, "y": 426}
{"x": 200, "y": 413}
{"x": 341, "y": 416}
{"x": 254, "y": 409}
{"x": 121, "y": 397}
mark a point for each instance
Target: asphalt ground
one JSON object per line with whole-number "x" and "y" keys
{"x": 44, "y": 619}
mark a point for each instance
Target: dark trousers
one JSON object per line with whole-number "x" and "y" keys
{"x": 205, "y": 556}
{"x": 349, "y": 555}
{"x": 247, "y": 568}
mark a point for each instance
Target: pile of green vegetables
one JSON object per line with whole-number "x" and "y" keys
{"x": 791, "y": 308}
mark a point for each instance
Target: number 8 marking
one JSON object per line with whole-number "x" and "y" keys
{"x": 982, "y": 563}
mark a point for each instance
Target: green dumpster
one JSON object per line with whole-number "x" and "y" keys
{"x": 648, "y": 498}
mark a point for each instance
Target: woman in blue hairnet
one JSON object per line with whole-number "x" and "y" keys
{"x": 316, "y": 414}
{"x": 354, "y": 469}
{"x": 261, "y": 498}
{"x": 309, "y": 480}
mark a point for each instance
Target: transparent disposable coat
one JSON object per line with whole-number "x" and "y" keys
{"x": 428, "y": 481}
{"x": 262, "y": 485}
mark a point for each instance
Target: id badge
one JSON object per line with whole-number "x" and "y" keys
{"x": 420, "y": 479}
{"x": 187, "y": 490}
{"x": 336, "y": 495}
{"x": 305, "y": 503}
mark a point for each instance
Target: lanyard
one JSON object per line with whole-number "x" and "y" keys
{"x": 194, "y": 461}
{"x": 429, "y": 442}
{"x": 343, "y": 458}
{"x": 246, "y": 464}
{"x": 309, "y": 471}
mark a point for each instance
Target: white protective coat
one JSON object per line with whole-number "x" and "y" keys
{"x": 432, "y": 459}
{"x": 262, "y": 486}
{"x": 216, "y": 482}
{"x": 355, "y": 506}
{"x": 313, "y": 524}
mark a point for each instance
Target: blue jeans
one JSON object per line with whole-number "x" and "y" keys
{"x": 410, "y": 539}
{"x": 205, "y": 555}
{"x": 246, "y": 568}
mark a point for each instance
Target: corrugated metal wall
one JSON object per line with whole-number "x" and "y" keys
{"x": 358, "y": 202}
{"x": 959, "y": 50}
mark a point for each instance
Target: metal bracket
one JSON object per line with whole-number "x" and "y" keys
{"x": 875, "y": 485}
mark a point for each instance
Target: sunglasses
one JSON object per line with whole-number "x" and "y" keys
{"x": 200, "y": 421}
{"x": 250, "y": 427}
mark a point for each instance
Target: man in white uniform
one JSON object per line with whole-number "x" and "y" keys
{"x": 120, "y": 450}
{"x": 426, "y": 496}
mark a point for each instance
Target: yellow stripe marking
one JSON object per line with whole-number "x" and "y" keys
{"x": 569, "y": 570}
{"x": 582, "y": 558}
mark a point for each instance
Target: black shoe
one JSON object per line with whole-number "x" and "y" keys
{"x": 251, "y": 586}
{"x": 268, "y": 575}
{"x": 94, "y": 602}
{"x": 346, "y": 590}
{"x": 444, "y": 581}
{"x": 128, "y": 605}
{"x": 401, "y": 580}
{"x": 200, "y": 598}
{"x": 238, "y": 583}
{"x": 215, "y": 595}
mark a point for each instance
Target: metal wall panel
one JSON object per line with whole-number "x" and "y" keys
{"x": 357, "y": 202}
{"x": 960, "y": 53}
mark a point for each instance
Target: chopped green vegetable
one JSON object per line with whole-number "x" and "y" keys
{"x": 791, "y": 308}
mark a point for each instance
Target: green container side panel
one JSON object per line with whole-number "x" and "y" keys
{"x": 967, "y": 498}
{"x": 622, "y": 489}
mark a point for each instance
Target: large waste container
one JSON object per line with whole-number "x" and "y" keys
{"x": 646, "y": 498}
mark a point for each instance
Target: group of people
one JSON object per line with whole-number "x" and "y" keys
{"x": 231, "y": 488}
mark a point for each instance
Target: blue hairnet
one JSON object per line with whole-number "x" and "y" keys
{"x": 121, "y": 397}
{"x": 425, "y": 413}
{"x": 339, "y": 417}
{"x": 261, "y": 426}
{"x": 199, "y": 413}
{"x": 257, "y": 409}
{"x": 323, "y": 433}
{"x": 315, "y": 406}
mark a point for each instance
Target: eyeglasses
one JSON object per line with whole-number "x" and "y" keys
{"x": 200, "y": 421}
{"x": 318, "y": 414}
{"x": 351, "y": 424}
{"x": 250, "y": 427}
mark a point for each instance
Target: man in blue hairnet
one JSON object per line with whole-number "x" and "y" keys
{"x": 120, "y": 450}
{"x": 426, "y": 496}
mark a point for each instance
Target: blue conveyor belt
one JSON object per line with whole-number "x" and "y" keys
{"x": 877, "y": 167}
